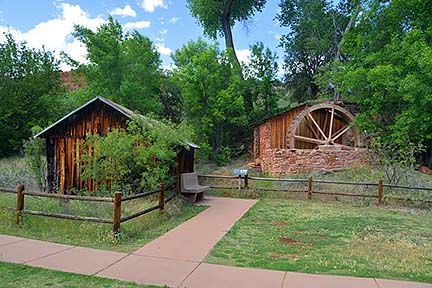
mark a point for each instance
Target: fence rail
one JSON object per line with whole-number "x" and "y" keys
{"x": 310, "y": 189}
{"x": 116, "y": 200}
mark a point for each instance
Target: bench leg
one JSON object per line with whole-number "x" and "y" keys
{"x": 200, "y": 196}
{"x": 190, "y": 197}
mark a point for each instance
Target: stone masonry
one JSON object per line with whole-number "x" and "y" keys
{"x": 279, "y": 162}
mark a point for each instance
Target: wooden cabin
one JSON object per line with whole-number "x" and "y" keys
{"x": 97, "y": 116}
{"x": 307, "y": 138}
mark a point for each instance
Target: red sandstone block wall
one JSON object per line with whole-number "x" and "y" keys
{"x": 279, "y": 162}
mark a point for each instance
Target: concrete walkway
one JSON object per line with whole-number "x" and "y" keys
{"x": 175, "y": 259}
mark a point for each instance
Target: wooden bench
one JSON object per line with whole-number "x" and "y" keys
{"x": 190, "y": 187}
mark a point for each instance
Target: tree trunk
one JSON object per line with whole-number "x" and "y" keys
{"x": 226, "y": 26}
{"x": 350, "y": 24}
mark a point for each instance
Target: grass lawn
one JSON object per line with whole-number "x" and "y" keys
{"x": 133, "y": 234}
{"x": 16, "y": 275}
{"x": 330, "y": 238}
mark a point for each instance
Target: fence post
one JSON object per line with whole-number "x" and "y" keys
{"x": 380, "y": 191}
{"x": 162, "y": 197}
{"x": 117, "y": 212}
{"x": 309, "y": 192}
{"x": 246, "y": 179}
{"x": 20, "y": 203}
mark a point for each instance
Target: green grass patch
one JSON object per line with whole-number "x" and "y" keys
{"x": 16, "y": 275}
{"x": 133, "y": 234}
{"x": 330, "y": 238}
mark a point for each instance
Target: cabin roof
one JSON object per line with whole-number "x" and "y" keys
{"x": 123, "y": 110}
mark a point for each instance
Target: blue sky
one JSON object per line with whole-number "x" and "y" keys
{"x": 167, "y": 23}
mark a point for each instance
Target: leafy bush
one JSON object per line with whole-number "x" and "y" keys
{"x": 35, "y": 150}
{"x": 393, "y": 160}
{"x": 136, "y": 159}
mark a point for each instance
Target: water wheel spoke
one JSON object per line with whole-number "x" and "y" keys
{"x": 307, "y": 139}
{"x": 316, "y": 125}
{"x": 312, "y": 128}
{"x": 339, "y": 133}
{"x": 331, "y": 122}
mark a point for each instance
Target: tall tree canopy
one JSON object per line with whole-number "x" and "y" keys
{"x": 389, "y": 72}
{"x": 28, "y": 92}
{"x": 212, "y": 101}
{"x": 316, "y": 28}
{"x": 261, "y": 77}
{"x": 218, "y": 17}
{"x": 123, "y": 67}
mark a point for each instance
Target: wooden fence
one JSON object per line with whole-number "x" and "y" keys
{"x": 243, "y": 183}
{"x": 117, "y": 201}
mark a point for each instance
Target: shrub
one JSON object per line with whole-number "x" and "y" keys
{"x": 136, "y": 159}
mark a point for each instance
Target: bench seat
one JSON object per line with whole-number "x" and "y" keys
{"x": 190, "y": 187}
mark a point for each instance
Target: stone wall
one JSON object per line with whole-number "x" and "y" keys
{"x": 279, "y": 162}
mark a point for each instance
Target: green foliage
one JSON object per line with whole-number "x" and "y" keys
{"x": 210, "y": 14}
{"x": 261, "y": 77}
{"x": 134, "y": 160}
{"x": 211, "y": 90}
{"x": 29, "y": 80}
{"x": 315, "y": 31}
{"x": 218, "y": 17}
{"x": 123, "y": 67}
{"x": 394, "y": 160}
{"x": 35, "y": 150}
{"x": 389, "y": 71}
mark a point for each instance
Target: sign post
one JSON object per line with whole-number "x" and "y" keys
{"x": 240, "y": 173}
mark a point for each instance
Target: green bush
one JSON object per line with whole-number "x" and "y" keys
{"x": 136, "y": 159}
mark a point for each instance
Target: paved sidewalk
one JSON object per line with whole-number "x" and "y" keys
{"x": 175, "y": 259}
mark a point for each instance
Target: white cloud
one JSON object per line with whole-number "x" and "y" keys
{"x": 275, "y": 34}
{"x": 150, "y": 5}
{"x": 127, "y": 11}
{"x": 174, "y": 20}
{"x": 162, "y": 49}
{"x": 168, "y": 67}
{"x": 137, "y": 25}
{"x": 159, "y": 39}
{"x": 163, "y": 31}
{"x": 55, "y": 34}
{"x": 243, "y": 55}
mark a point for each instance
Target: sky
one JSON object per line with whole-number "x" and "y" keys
{"x": 167, "y": 23}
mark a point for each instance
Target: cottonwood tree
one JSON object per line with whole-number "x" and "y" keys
{"x": 261, "y": 77}
{"x": 389, "y": 71}
{"x": 218, "y": 17}
{"x": 211, "y": 97}
{"x": 123, "y": 67}
{"x": 316, "y": 28}
{"x": 29, "y": 95}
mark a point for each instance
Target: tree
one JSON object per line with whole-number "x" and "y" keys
{"x": 29, "y": 95}
{"x": 315, "y": 33}
{"x": 211, "y": 95}
{"x": 122, "y": 67}
{"x": 389, "y": 71}
{"x": 217, "y": 17}
{"x": 261, "y": 76}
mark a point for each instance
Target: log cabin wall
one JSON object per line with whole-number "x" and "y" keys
{"x": 280, "y": 126}
{"x": 64, "y": 144}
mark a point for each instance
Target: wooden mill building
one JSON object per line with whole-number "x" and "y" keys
{"x": 64, "y": 137}
{"x": 307, "y": 138}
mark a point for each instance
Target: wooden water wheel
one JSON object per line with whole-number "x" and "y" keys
{"x": 323, "y": 125}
